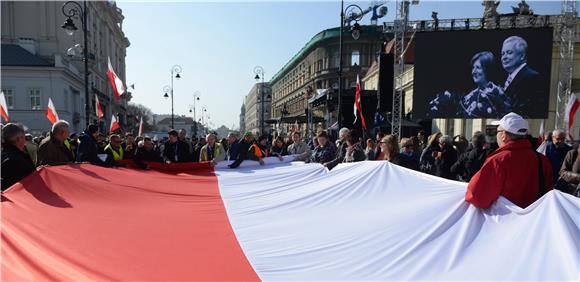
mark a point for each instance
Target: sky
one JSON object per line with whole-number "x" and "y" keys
{"x": 218, "y": 44}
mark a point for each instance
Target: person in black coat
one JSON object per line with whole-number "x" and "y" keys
{"x": 471, "y": 161}
{"x": 16, "y": 164}
{"x": 244, "y": 152}
{"x": 341, "y": 152}
{"x": 176, "y": 151}
{"x": 522, "y": 87}
{"x": 88, "y": 149}
{"x": 146, "y": 153}
{"x": 445, "y": 158}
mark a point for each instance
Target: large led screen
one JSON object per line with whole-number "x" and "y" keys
{"x": 482, "y": 73}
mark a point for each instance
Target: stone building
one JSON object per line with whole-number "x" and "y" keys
{"x": 313, "y": 74}
{"x": 253, "y": 108}
{"x": 40, "y": 61}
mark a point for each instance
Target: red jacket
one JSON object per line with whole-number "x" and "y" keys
{"x": 511, "y": 171}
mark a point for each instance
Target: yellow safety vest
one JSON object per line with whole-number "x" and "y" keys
{"x": 205, "y": 156}
{"x": 117, "y": 156}
{"x": 67, "y": 144}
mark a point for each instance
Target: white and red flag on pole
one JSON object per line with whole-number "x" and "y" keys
{"x": 51, "y": 112}
{"x": 98, "y": 109}
{"x": 571, "y": 108}
{"x": 114, "y": 124}
{"x": 141, "y": 127}
{"x": 3, "y": 107}
{"x": 116, "y": 82}
{"x": 295, "y": 126}
{"x": 357, "y": 105}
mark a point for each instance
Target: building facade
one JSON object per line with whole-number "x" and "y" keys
{"x": 253, "y": 108}
{"x": 314, "y": 70}
{"x": 243, "y": 118}
{"x": 40, "y": 61}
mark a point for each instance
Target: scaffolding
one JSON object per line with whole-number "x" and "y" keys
{"x": 400, "y": 26}
{"x": 567, "y": 33}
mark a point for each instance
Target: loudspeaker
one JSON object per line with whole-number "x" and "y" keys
{"x": 386, "y": 78}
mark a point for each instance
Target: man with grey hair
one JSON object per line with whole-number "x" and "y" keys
{"x": 521, "y": 87}
{"x": 213, "y": 151}
{"x": 445, "y": 158}
{"x": 233, "y": 146}
{"x": 52, "y": 150}
{"x": 556, "y": 151}
{"x": 341, "y": 148}
{"x": 16, "y": 164}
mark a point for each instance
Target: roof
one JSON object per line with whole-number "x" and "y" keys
{"x": 367, "y": 31}
{"x": 14, "y": 55}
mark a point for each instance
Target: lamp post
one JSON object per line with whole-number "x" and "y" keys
{"x": 355, "y": 13}
{"x": 259, "y": 71}
{"x": 75, "y": 9}
{"x": 195, "y": 98}
{"x": 176, "y": 69}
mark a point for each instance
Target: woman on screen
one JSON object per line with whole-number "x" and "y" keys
{"x": 486, "y": 100}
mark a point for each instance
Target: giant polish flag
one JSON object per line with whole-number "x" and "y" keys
{"x": 280, "y": 221}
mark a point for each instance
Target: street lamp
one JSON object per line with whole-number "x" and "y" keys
{"x": 259, "y": 71}
{"x": 176, "y": 69}
{"x": 355, "y": 13}
{"x": 195, "y": 98}
{"x": 75, "y": 9}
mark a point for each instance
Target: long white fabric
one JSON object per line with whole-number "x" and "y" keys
{"x": 378, "y": 221}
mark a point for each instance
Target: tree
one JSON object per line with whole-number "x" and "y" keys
{"x": 134, "y": 114}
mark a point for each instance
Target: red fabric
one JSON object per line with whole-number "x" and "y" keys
{"x": 357, "y": 105}
{"x": 116, "y": 83}
{"x": 511, "y": 171}
{"x": 114, "y": 124}
{"x": 571, "y": 115}
{"x": 84, "y": 222}
{"x": 98, "y": 108}
{"x": 172, "y": 167}
{"x": 4, "y": 114}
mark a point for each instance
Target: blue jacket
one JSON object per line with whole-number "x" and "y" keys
{"x": 88, "y": 150}
{"x": 556, "y": 157}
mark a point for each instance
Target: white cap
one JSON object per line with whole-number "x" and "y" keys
{"x": 513, "y": 123}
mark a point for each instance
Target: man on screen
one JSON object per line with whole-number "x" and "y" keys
{"x": 521, "y": 85}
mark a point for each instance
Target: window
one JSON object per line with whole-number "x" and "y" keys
{"x": 355, "y": 58}
{"x": 34, "y": 94}
{"x": 9, "y": 94}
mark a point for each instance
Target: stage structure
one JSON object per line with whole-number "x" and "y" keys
{"x": 563, "y": 24}
{"x": 565, "y": 71}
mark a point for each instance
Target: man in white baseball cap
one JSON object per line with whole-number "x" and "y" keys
{"x": 514, "y": 171}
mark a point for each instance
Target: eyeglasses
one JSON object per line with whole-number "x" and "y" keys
{"x": 383, "y": 142}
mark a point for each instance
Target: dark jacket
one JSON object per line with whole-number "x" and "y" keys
{"x": 141, "y": 156}
{"x": 443, "y": 164}
{"x": 323, "y": 154}
{"x": 525, "y": 94}
{"x": 356, "y": 155}
{"x": 88, "y": 150}
{"x": 233, "y": 151}
{"x": 341, "y": 152}
{"x": 470, "y": 162}
{"x": 244, "y": 153}
{"x": 177, "y": 152}
{"x": 129, "y": 153}
{"x": 279, "y": 151}
{"x": 405, "y": 161}
{"x": 556, "y": 156}
{"x": 16, "y": 165}
{"x": 53, "y": 152}
{"x": 427, "y": 161}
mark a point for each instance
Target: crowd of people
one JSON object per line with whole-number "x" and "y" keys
{"x": 441, "y": 155}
